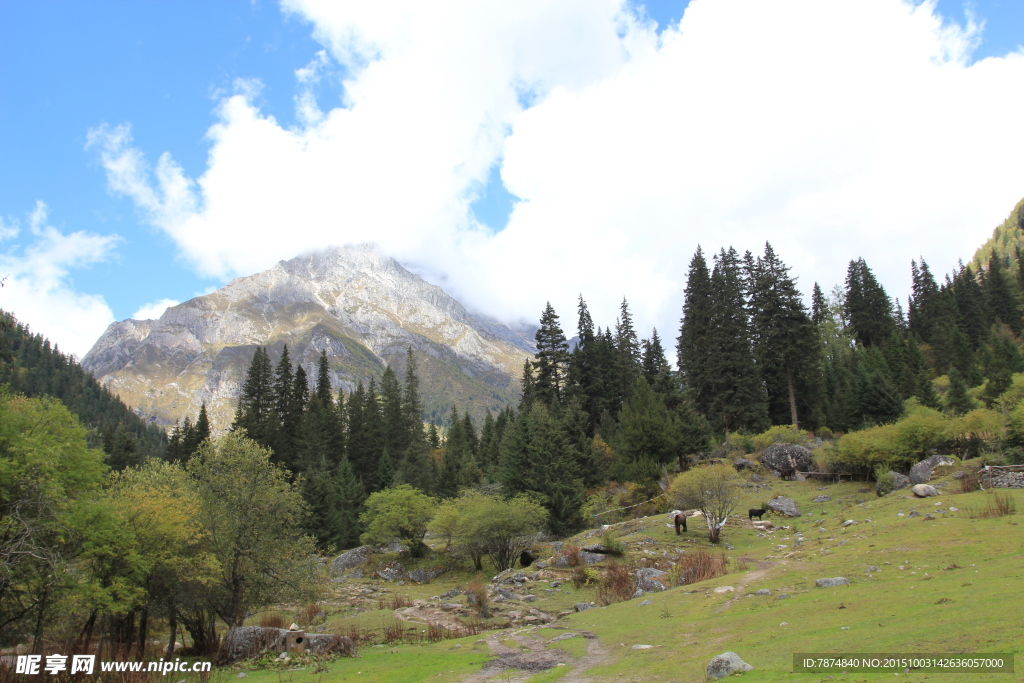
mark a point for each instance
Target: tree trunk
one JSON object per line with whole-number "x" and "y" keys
{"x": 173, "y": 623}
{"x": 792, "y": 397}
{"x": 143, "y": 631}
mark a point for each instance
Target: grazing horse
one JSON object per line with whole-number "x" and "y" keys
{"x": 788, "y": 473}
{"x": 680, "y": 523}
{"x": 755, "y": 513}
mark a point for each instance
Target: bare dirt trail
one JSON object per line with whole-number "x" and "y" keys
{"x": 516, "y": 664}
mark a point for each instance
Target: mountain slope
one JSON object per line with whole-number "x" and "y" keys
{"x": 362, "y": 307}
{"x": 1005, "y": 240}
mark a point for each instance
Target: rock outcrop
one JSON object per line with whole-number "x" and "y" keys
{"x": 780, "y": 457}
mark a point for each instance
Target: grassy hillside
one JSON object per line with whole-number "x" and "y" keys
{"x": 945, "y": 585}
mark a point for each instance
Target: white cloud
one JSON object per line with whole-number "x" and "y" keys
{"x": 834, "y": 130}
{"x": 38, "y": 288}
{"x": 154, "y": 310}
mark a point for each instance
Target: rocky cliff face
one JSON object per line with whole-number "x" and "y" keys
{"x": 363, "y": 308}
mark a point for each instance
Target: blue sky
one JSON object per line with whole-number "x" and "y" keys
{"x": 167, "y": 70}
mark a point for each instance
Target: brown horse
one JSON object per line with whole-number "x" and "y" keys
{"x": 680, "y": 523}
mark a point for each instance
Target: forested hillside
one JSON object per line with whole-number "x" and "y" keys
{"x": 754, "y": 363}
{"x": 34, "y": 368}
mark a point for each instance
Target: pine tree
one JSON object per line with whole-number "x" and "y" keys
{"x": 552, "y": 359}
{"x": 868, "y": 307}
{"x": 1000, "y": 298}
{"x": 350, "y": 499}
{"x": 819, "y": 306}
{"x": 877, "y": 400}
{"x": 395, "y": 431}
{"x": 737, "y": 394}
{"x": 256, "y": 404}
{"x": 958, "y": 401}
{"x": 359, "y": 437}
{"x": 585, "y": 375}
{"x": 694, "y": 343}
{"x": 784, "y": 340}
{"x": 968, "y": 301}
{"x": 198, "y": 433}
{"x": 628, "y": 347}
{"x": 925, "y": 309}
{"x": 412, "y": 409}
{"x": 385, "y": 472}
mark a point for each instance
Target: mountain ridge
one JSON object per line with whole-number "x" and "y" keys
{"x": 362, "y": 307}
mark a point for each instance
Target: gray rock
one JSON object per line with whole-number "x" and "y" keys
{"x": 821, "y": 499}
{"x": 505, "y": 593}
{"x": 922, "y": 472}
{"x": 520, "y": 577}
{"x": 831, "y": 583}
{"x": 243, "y": 642}
{"x": 591, "y": 558}
{"x": 329, "y": 643}
{"x": 351, "y": 558}
{"x": 743, "y": 464}
{"x": 780, "y": 457}
{"x": 726, "y": 664}
{"x": 564, "y": 636}
{"x": 914, "y": 513}
{"x": 873, "y": 568}
{"x": 899, "y": 481}
{"x": 763, "y": 591}
{"x": 923, "y": 490}
{"x": 784, "y": 506}
{"x": 782, "y": 596}
{"x": 582, "y": 606}
{"x": 730, "y": 546}
{"x": 392, "y": 572}
{"x": 647, "y": 580}
{"x": 419, "y": 575}
{"x": 540, "y": 565}
{"x": 645, "y": 602}
{"x": 638, "y": 593}
{"x": 447, "y": 595}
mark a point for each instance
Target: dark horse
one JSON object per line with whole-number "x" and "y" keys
{"x": 680, "y": 524}
{"x": 755, "y": 513}
{"x": 789, "y": 473}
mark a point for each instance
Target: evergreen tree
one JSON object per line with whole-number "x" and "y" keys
{"x": 784, "y": 341}
{"x": 819, "y": 306}
{"x": 412, "y": 409}
{"x": 958, "y": 401}
{"x": 256, "y": 403}
{"x": 737, "y": 394}
{"x": 350, "y": 499}
{"x": 694, "y": 343}
{"x": 395, "y": 430}
{"x": 868, "y": 308}
{"x": 628, "y": 347}
{"x": 1000, "y": 298}
{"x": 323, "y": 381}
{"x": 385, "y": 472}
{"x": 968, "y": 303}
{"x": 195, "y": 436}
{"x": 877, "y": 400}
{"x": 552, "y": 359}
{"x": 359, "y": 438}
{"x": 585, "y": 373}
{"x": 121, "y": 447}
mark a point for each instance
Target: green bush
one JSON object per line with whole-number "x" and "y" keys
{"x": 780, "y": 434}
{"x": 886, "y": 481}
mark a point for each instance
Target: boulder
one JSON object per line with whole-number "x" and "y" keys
{"x": 899, "y": 481}
{"x": 392, "y": 572}
{"x": 923, "y": 490}
{"x": 351, "y": 558}
{"x": 821, "y": 499}
{"x": 243, "y": 642}
{"x": 647, "y": 579}
{"x": 582, "y": 606}
{"x": 763, "y": 591}
{"x": 329, "y": 643}
{"x": 831, "y": 583}
{"x": 743, "y": 464}
{"x": 922, "y": 472}
{"x": 780, "y": 457}
{"x": 599, "y": 548}
{"x": 784, "y": 506}
{"x": 726, "y": 664}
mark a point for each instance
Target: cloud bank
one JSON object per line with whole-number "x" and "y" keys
{"x": 834, "y": 130}
{"x": 38, "y": 288}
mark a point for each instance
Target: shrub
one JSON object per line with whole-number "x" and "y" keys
{"x": 573, "y": 555}
{"x": 272, "y": 620}
{"x": 886, "y": 482}
{"x": 998, "y": 505}
{"x": 479, "y": 594}
{"x": 612, "y": 544}
{"x": 970, "y": 483}
{"x": 615, "y": 584}
{"x": 780, "y": 434}
{"x": 699, "y": 565}
{"x": 400, "y": 513}
{"x": 582, "y": 576}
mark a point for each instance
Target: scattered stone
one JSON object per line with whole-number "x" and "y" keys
{"x": 724, "y": 589}
{"x": 848, "y": 522}
{"x": 782, "y": 596}
{"x": 831, "y": 583}
{"x": 743, "y": 464}
{"x": 582, "y": 606}
{"x": 923, "y": 490}
{"x": 529, "y": 598}
{"x": 392, "y": 572}
{"x": 505, "y": 593}
{"x": 821, "y": 499}
{"x": 927, "y": 517}
{"x": 726, "y": 664}
{"x": 242, "y": 674}
{"x": 953, "y": 509}
{"x": 873, "y": 568}
{"x": 564, "y": 636}
{"x": 922, "y": 471}
{"x": 863, "y": 490}
{"x": 638, "y": 593}
{"x": 541, "y": 565}
{"x": 450, "y": 594}
{"x": 783, "y": 505}
{"x": 645, "y": 602}
{"x": 730, "y": 546}
{"x": 914, "y": 513}
{"x": 641, "y": 647}
{"x": 962, "y": 474}
{"x": 763, "y": 591}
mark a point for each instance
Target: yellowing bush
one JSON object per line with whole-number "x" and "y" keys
{"x": 780, "y": 434}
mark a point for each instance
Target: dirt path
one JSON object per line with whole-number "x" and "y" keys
{"x": 516, "y": 664}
